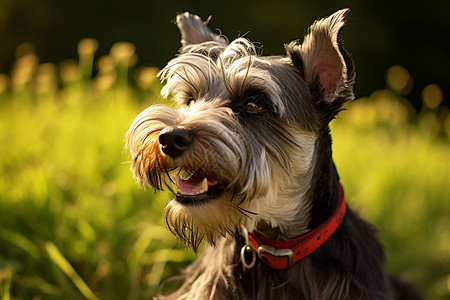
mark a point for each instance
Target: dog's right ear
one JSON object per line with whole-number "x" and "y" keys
{"x": 194, "y": 30}
{"x": 322, "y": 60}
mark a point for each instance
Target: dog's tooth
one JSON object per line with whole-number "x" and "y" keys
{"x": 205, "y": 185}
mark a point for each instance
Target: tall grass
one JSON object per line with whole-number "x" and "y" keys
{"x": 73, "y": 224}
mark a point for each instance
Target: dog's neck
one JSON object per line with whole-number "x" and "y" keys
{"x": 324, "y": 190}
{"x": 320, "y": 200}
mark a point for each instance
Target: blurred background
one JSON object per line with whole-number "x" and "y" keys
{"x": 74, "y": 74}
{"x": 382, "y": 33}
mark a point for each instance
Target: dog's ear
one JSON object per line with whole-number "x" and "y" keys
{"x": 194, "y": 30}
{"x": 323, "y": 61}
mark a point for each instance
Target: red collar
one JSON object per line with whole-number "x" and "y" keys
{"x": 281, "y": 254}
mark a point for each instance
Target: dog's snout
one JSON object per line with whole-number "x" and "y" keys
{"x": 174, "y": 141}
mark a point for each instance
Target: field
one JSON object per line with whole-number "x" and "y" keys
{"x": 74, "y": 225}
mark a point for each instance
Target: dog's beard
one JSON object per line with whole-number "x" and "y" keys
{"x": 194, "y": 223}
{"x": 205, "y": 207}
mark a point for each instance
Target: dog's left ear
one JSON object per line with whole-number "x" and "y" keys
{"x": 194, "y": 30}
{"x": 323, "y": 61}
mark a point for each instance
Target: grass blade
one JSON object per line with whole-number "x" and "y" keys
{"x": 5, "y": 283}
{"x": 21, "y": 242}
{"x": 58, "y": 259}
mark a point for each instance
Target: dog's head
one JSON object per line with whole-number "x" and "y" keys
{"x": 241, "y": 145}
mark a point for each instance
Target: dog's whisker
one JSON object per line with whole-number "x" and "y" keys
{"x": 168, "y": 176}
{"x": 246, "y": 210}
{"x": 243, "y": 212}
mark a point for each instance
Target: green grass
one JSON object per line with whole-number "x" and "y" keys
{"x": 74, "y": 225}
{"x": 397, "y": 175}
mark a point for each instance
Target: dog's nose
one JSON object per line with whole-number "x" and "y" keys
{"x": 174, "y": 141}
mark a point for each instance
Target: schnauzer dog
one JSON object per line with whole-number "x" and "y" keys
{"x": 247, "y": 154}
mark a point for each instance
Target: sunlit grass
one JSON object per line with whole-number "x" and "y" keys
{"x": 74, "y": 225}
{"x": 397, "y": 175}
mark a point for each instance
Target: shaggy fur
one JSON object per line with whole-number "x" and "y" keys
{"x": 249, "y": 143}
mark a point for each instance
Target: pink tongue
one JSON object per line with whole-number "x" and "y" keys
{"x": 193, "y": 185}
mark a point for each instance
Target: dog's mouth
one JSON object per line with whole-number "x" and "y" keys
{"x": 197, "y": 187}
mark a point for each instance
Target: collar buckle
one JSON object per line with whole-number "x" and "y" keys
{"x": 276, "y": 253}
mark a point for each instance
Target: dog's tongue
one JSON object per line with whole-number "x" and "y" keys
{"x": 196, "y": 184}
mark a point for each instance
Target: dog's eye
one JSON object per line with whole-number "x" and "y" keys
{"x": 253, "y": 107}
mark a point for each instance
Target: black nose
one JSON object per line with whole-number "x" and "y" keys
{"x": 175, "y": 140}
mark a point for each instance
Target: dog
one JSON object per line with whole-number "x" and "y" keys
{"x": 247, "y": 154}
